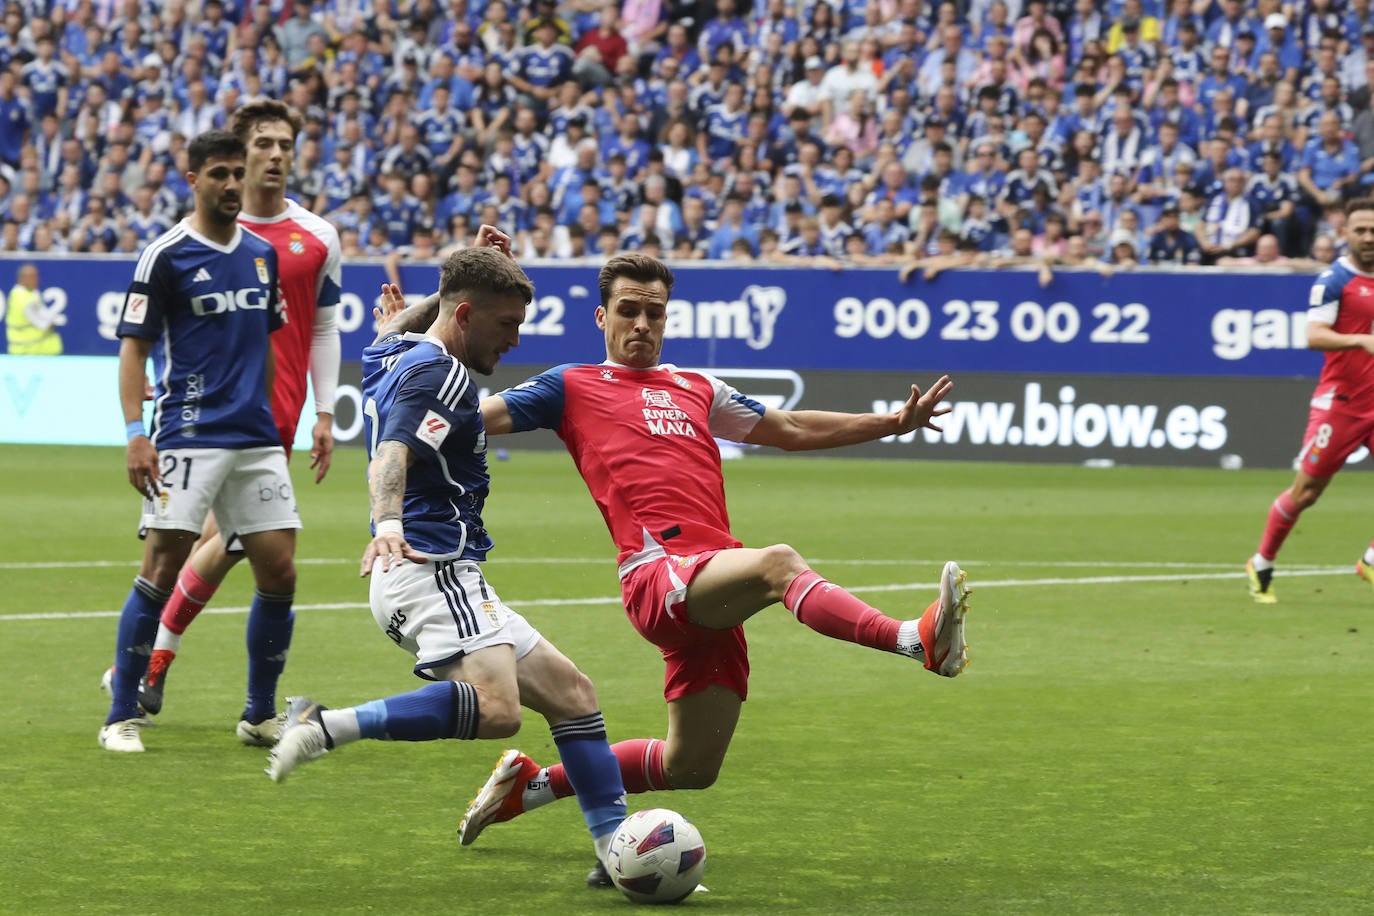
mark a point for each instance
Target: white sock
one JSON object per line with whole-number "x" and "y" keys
{"x": 538, "y": 792}
{"x": 1369, "y": 555}
{"x": 166, "y": 639}
{"x": 909, "y": 639}
{"x": 1261, "y": 564}
{"x": 342, "y": 725}
{"x": 603, "y": 846}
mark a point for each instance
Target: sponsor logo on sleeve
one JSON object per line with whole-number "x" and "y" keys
{"x": 433, "y": 430}
{"x": 136, "y": 308}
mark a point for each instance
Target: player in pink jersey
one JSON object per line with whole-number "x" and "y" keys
{"x": 642, "y": 436}
{"x": 1340, "y": 316}
{"x": 308, "y": 253}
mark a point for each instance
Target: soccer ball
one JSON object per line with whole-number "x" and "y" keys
{"x": 656, "y": 856}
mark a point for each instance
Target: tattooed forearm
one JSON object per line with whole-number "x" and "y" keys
{"x": 387, "y": 480}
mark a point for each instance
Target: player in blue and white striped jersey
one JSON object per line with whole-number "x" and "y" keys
{"x": 203, "y": 301}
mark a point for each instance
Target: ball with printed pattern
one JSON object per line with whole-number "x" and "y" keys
{"x": 656, "y": 856}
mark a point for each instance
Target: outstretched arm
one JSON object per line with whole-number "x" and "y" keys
{"x": 801, "y": 430}
{"x": 496, "y": 417}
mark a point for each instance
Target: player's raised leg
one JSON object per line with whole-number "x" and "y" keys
{"x": 736, "y": 584}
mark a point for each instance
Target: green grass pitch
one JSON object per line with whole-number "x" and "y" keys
{"x": 1133, "y": 735}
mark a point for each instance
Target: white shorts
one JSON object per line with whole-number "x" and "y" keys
{"x": 249, "y": 489}
{"x": 442, "y": 610}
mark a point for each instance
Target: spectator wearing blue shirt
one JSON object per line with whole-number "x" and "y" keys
{"x": 627, "y": 143}
{"x": 1168, "y": 108}
{"x": 441, "y": 125}
{"x": 589, "y": 193}
{"x": 929, "y": 78}
{"x": 732, "y": 226}
{"x": 1277, "y": 196}
{"x": 1351, "y": 26}
{"x": 1278, "y": 39}
{"x": 539, "y": 69}
{"x": 1231, "y": 224}
{"x": 1222, "y": 31}
{"x": 983, "y": 178}
{"x": 1219, "y": 79}
{"x": 725, "y": 28}
{"x": 47, "y": 80}
{"x": 1187, "y": 58}
{"x": 397, "y": 212}
{"x": 883, "y": 232}
{"x": 678, "y": 46}
{"x": 1326, "y": 67}
{"x": 407, "y": 156}
{"x": 1330, "y": 165}
{"x": 15, "y": 121}
{"x": 441, "y": 74}
{"x": 1264, "y": 83}
{"x": 1330, "y": 101}
{"x": 1269, "y": 132}
{"x": 339, "y": 181}
{"x": 1171, "y": 245}
{"x": 724, "y": 126}
{"x": 468, "y": 56}
{"x": 214, "y": 29}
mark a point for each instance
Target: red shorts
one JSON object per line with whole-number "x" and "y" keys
{"x": 1332, "y": 437}
{"x": 696, "y": 657}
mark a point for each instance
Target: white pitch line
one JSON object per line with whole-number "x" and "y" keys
{"x": 1288, "y": 572}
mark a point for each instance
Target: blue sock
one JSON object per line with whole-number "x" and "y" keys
{"x": 592, "y": 770}
{"x": 134, "y": 645}
{"x": 439, "y": 710}
{"x": 269, "y": 636}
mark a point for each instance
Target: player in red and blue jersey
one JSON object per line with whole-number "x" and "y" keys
{"x": 1340, "y": 319}
{"x": 203, "y": 302}
{"x": 642, "y": 435}
{"x": 308, "y": 255}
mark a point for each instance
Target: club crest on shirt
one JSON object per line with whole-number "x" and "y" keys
{"x": 433, "y": 430}
{"x": 261, "y": 265}
{"x": 682, "y": 382}
{"x": 296, "y": 246}
{"x": 664, "y": 417}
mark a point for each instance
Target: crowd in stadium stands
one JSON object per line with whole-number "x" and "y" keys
{"x": 930, "y": 135}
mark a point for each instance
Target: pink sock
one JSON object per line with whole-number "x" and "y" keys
{"x": 1283, "y": 515}
{"x": 641, "y": 768}
{"x": 188, "y": 599}
{"x": 834, "y": 612}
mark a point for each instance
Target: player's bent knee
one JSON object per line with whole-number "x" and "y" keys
{"x": 782, "y": 564}
{"x": 697, "y": 775}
